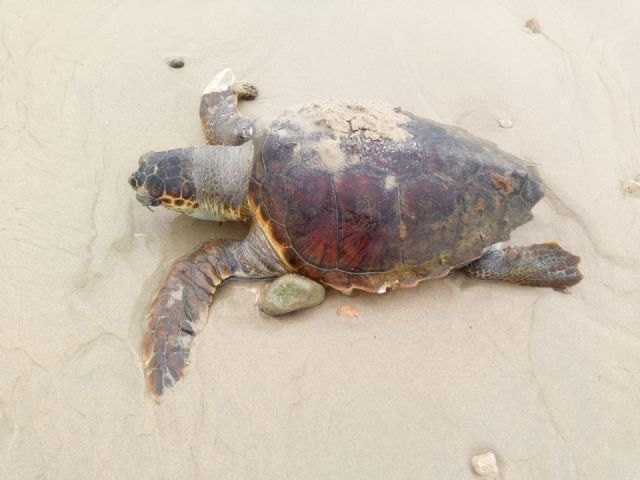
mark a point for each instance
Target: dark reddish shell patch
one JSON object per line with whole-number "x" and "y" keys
{"x": 311, "y": 224}
{"x": 356, "y": 210}
{"x": 369, "y": 218}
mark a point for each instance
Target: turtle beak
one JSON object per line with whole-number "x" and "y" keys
{"x": 147, "y": 200}
{"x": 137, "y": 182}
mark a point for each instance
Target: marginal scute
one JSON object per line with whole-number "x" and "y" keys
{"x": 337, "y": 279}
{"x": 374, "y": 198}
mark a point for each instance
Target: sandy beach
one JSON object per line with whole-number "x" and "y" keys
{"x": 422, "y": 379}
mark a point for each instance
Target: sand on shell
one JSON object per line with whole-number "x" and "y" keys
{"x": 422, "y": 379}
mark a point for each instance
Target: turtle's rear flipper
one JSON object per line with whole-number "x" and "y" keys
{"x": 538, "y": 265}
{"x": 222, "y": 122}
{"x": 179, "y": 312}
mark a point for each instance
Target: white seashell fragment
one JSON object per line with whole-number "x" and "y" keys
{"x": 485, "y": 465}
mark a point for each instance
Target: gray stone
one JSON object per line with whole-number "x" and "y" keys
{"x": 289, "y": 293}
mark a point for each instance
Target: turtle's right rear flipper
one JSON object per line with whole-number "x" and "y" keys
{"x": 222, "y": 122}
{"x": 538, "y": 265}
{"x": 179, "y": 312}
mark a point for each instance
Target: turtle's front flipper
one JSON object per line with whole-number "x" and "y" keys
{"x": 179, "y": 312}
{"x": 539, "y": 265}
{"x": 222, "y": 122}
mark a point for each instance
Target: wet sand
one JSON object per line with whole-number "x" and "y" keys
{"x": 422, "y": 379}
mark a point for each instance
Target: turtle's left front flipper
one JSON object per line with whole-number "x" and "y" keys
{"x": 538, "y": 265}
{"x": 222, "y": 122}
{"x": 179, "y": 312}
{"x": 180, "y": 308}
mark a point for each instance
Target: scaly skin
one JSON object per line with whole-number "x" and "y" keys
{"x": 179, "y": 312}
{"x": 222, "y": 122}
{"x": 538, "y": 265}
{"x": 180, "y": 308}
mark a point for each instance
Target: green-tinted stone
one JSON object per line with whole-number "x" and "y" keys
{"x": 289, "y": 293}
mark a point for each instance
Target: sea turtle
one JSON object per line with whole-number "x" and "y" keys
{"x": 350, "y": 195}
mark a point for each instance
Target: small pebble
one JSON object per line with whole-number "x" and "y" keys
{"x": 347, "y": 311}
{"x": 485, "y": 465}
{"x": 175, "y": 62}
{"x": 289, "y": 293}
{"x": 533, "y": 25}
{"x": 632, "y": 187}
{"x": 505, "y": 123}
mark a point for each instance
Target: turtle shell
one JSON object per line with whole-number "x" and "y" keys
{"x": 371, "y": 197}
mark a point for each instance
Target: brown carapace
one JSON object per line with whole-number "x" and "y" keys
{"x": 385, "y": 207}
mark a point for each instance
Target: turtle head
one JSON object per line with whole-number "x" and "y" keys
{"x": 165, "y": 178}
{"x": 209, "y": 182}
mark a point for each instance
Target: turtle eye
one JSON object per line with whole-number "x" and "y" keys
{"x": 133, "y": 180}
